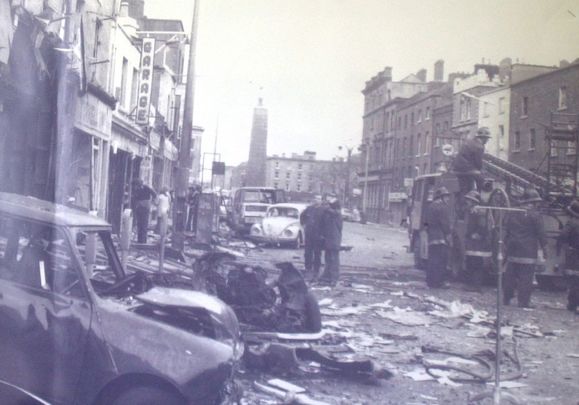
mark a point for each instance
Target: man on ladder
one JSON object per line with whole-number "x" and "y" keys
{"x": 469, "y": 161}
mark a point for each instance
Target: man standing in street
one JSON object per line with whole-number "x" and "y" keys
{"x": 311, "y": 220}
{"x": 570, "y": 237}
{"x": 332, "y": 236}
{"x": 477, "y": 242}
{"x": 469, "y": 161}
{"x": 142, "y": 196}
{"x": 438, "y": 230}
{"x": 525, "y": 233}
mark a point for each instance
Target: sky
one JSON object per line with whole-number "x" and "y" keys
{"x": 310, "y": 59}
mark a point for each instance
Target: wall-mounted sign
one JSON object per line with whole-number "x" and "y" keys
{"x": 145, "y": 81}
{"x": 397, "y": 197}
{"x": 408, "y": 182}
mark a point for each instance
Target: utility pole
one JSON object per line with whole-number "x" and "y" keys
{"x": 365, "y": 195}
{"x": 185, "y": 158}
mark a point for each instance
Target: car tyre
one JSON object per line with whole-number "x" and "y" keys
{"x": 144, "y": 395}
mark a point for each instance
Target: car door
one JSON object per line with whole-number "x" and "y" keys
{"x": 45, "y": 314}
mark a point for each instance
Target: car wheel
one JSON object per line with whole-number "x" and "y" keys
{"x": 143, "y": 395}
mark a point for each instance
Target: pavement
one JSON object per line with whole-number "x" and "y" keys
{"x": 383, "y": 311}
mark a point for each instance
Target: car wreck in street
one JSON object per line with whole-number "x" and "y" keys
{"x": 77, "y": 329}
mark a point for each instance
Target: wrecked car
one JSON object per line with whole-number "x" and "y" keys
{"x": 77, "y": 329}
{"x": 282, "y": 305}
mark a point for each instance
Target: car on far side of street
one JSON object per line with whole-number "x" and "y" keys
{"x": 281, "y": 225}
{"x": 77, "y": 329}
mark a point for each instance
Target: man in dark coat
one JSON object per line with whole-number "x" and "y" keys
{"x": 525, "y": 234}
{"x": 569, "y": 236}
{"x": 477, "y": 241}
{"x": 142, "y": 196}
{"x": 469, "y": 161}
{"x": 438, "y": 230}
{"x": 311, "y": 220}
{"x": 332, "y": 236}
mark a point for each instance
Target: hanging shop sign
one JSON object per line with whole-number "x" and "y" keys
{"x": 145, "y": 81}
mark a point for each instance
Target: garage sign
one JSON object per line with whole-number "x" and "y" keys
{"x": 145, "y": 81}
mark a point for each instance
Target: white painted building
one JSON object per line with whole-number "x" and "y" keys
{"x": 494, "y": 107}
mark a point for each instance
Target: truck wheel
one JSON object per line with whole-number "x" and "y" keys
{"x": 144, "y": 395}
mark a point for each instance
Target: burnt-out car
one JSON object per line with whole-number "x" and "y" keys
{"x": 76, "y": 329}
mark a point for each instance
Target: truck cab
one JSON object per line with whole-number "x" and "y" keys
{"x": 249, "y": 205}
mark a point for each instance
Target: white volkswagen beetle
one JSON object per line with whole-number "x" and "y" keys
{"x": 281, "y": 225}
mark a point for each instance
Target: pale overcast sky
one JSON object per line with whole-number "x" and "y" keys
{"x": 312, "y": 58}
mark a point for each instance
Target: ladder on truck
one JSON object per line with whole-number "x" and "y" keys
{"x": 562, "y": 137}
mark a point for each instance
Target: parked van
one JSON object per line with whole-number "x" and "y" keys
{"x": 250, "y": 204}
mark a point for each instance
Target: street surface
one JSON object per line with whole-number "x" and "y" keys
{"x": 383, "y": 310}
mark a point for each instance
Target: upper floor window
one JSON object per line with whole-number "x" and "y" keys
{"x": 287, "y": 175}
{"x": 277, "y": 165}
{"x": 419, "y": 115}
{"x": 276, "y": 174}
{"x": 427, "y": 114}
{"x": 501, "y": 105}
{"x": 525, "y": 106}
{"x": 418, "y": 145}
{"x": 405, "y": 121}
{"x": 427, "y": 143}
{"x": 532, "y": 139}
{"x": 562, "y": 97}
{"x": 412, "y": 119}
{"x": 468, "y": 108}
{"x": 300, "y": 166}
{"x": 517, "y": 142}
{"x": 485, "y": 109}
{"x": 445, "y": 126}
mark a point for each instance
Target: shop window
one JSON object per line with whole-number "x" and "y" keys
{"x": 501, "y": 105}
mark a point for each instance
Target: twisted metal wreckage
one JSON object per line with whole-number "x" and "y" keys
{"x": 280, "y": 319}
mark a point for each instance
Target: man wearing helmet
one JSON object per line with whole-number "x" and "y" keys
{"x": 438, "y": 230}
{"x": 525, "y": 234}
{"x": 477, "y": 243}
{"x": 469, "y": 161}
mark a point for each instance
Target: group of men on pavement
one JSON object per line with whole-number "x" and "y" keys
{"x": 524, "y": 232}
{"x": 322, "y": 222}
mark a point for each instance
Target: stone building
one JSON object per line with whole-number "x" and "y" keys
{"x": 535, "y": 101}
{"x": 305, "y": 174}
{"x": 382, "y": 98}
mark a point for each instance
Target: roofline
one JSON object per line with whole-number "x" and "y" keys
{"x": 540, "y": 76}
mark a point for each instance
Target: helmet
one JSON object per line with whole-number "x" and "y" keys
{"x": 483, "y": 132}
{"x": 473, "y": 196}
{"x": 441, "y": 192}
{"x": 530, "y": 196}
{"x": 573, "y": 209}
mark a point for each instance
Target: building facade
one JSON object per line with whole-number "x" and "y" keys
{"x": 535, "y": 102}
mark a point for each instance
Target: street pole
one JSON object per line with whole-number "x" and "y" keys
{"x": 365, "y": 195}
{"x": 347, "y": 188}
{"x": 185, "y": 158}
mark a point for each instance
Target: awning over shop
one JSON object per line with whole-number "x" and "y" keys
{"x": 170, "y": 151}
{"x": 128, "y": 137}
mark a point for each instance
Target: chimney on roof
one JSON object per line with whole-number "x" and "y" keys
{"x": 421, "y": 74}
{"x": 505, "y": 68}
{"x": 124, "y": 10}
{"x": 387, "y": 73}
{"x": 439, "y": 70}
